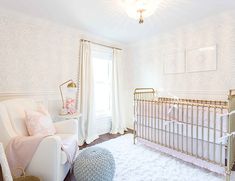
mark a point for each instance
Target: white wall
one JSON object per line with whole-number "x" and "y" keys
{"x": 144, "y": 67}
{"x": 37, "y": 55}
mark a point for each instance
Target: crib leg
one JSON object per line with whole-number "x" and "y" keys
{"x": 134, "y": 134}
{"x": 134, "y": 138}
{"x": 228, "y": 176}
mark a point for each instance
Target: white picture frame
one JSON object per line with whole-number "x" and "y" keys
{"x": 174, "y": 63}
{"x": 6, "y": 173}
{"x": 201, "y": 59}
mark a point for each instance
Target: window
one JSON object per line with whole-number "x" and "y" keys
{"x": 102, "y": 65}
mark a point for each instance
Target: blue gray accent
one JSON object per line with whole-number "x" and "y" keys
{"x": 94, "y": 164}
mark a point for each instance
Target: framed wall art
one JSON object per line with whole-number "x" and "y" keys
{"x": 201, "y": 59}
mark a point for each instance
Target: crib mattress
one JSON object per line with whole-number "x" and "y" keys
{"x": 200, "y": 141}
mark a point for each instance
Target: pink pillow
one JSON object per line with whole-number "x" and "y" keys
{"x": 43, "y": 110}
{"x": 39, "y": 122}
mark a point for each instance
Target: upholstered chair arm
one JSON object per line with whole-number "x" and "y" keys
{"x": 69, "y": 126}
{"x": 46, "y": 159}
{"x": 6, "y": 130}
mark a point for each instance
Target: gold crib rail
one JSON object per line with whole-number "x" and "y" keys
{"x": 207, "y": 102}
{"x": 190, "y": 126}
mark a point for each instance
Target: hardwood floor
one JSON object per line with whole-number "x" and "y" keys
{"x": 1, "y": 176}
{"x": 102, "y": 138}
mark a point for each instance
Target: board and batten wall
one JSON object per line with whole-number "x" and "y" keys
{"x": 36, "y": 56}
{"x": 145, "y": 65}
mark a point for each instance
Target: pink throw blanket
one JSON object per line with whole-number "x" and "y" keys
{"x": 20, "y": 150}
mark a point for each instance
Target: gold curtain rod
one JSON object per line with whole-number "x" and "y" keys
{"x": 101, "y": 44}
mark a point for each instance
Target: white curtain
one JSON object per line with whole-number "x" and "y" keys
{"x": 86, "y": 101}
{"x": 118, "y": 124}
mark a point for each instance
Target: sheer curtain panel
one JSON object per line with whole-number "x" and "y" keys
{"x": 86, "y": 103}
{"x": 118, "y": 124}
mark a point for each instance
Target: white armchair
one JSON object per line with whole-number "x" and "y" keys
{"x": 49, "y": 161}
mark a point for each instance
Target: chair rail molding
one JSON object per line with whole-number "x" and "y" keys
{"x": 204, "y": 94}
{"x": 51, "y": 95}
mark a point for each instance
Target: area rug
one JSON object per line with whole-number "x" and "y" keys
{"x": 141, "y": 163}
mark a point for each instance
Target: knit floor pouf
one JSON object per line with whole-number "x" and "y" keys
{"x": 94, "y": 164}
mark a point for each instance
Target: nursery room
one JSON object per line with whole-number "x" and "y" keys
{"x": 117, "y": 90}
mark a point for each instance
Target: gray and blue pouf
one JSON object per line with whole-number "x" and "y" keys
{"x": 94, "y": 164}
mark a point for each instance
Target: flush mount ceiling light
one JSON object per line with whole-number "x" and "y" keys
{"x": 140, "y": 9}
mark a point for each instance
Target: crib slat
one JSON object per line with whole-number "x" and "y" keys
{"x": 169, "y": 127}
{"x": 192, "y": 129}
{"x": 208, "y": 134}
{"x": 152, "y": 130}
{"x": 182, "y": 129}
{"x": 165, "y": 127}
{"x": 135, "y": 118}
{"x": 140, "y": 117}
{"x": 162, "y": 123}
{"x": 177, "y": 126}
{"x": 197, "y": 132}
{"x": 144, "y": 114}
{"x": 136, "y": 111}
{"x": 143, "y": 121}
{"x": 152, "y": 121}
{"x": 203, "y": 132}
{"x": 173, "y": 127}
{"x": 228, "y": 128}
{"x": 155, "y": 122}
{"x": 221, "y": 134}
{"x": 148, "y": 120}
{"x": 158, "y": 123}
{"x": 214, "y": 138}
{"x": 187, "y": 138}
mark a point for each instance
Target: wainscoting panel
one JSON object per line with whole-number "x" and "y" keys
{"x": 49, "y": 99}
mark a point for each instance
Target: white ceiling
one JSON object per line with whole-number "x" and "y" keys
{"x": 108, "y": 19}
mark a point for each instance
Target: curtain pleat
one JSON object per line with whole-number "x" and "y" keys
{"x": 86, "y": 98}
{"x": 118, "y": 124}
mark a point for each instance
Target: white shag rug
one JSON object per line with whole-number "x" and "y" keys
{"x": 141, "y": 163}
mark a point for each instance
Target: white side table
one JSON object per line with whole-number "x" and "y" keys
{"x": 69, "y": 116}
{"x": 76, "y": 116}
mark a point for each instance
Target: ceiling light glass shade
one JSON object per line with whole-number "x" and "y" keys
{"x": 133, "y": 7}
